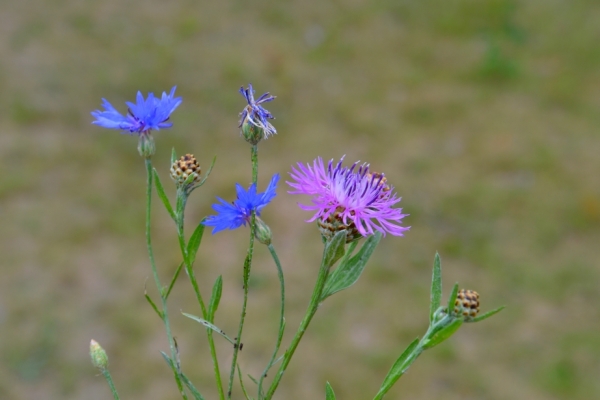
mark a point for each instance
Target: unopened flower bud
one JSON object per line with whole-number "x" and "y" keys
{"x": 146, "y": 146}
{"x": 263, "y": 232}
{"x": 333, "y": 223}
{"x": 466, "y": 304}
{"x": 251, "y": 133}
{"x": 99, "y": 357}
{"x": 186, "y": 171}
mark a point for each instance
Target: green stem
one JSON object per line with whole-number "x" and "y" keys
{"x": 413, "y": 355}
{"x": 246, "y": 275}
{"x": 310, "y": 312}
{"x": 165, "y": 313}
{"x": 109, "y": 380}
{"x": 190, "y": 272}
{"x": 281, "y": 320}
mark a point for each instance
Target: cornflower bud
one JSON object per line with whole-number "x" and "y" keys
{"x": 263, "y": 232}
{"x": 99, "y": 357}
{"x": 466, "y": 304}
{"x": 146, "y": 146}
{"x": 184, "y": 168}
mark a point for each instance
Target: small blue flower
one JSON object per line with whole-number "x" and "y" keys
{"x": 255, "y": 114}
{"x": 233, "y": 215}
{"x": 143, "y": 116}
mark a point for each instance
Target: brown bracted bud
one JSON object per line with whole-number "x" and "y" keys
{"x": 334, "y": 223}
{"x": 466, "y": 304}
{"x": 185, "y": 167}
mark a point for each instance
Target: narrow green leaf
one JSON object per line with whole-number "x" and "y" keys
{"x": 452, "y": 299}
{"x": 329, "y": 395}
{"x": 175, "y": 275}
{"x": 207, "y": 174}
{"x": 158, "y": 312}
{"x": 399, "y": 367}
{"x": 253, "y": 379}
{"x": 348, "y": 272}
{"x": 190, "y": 385}
{"x": 239, "y": 370}
{"x": 215, "y": 298}
{"x": 173, "y": 156}
{"x": 436, "y": 286}
{"x": 162, "y": 195}
{"x": 443, "y": 334}
{"x": 210, "y": 326}
{"x": 168, "y": 360}
{"x": 334, "y": 249}
{"x": 194, "y": 244}
{"x": 487, "y": 314}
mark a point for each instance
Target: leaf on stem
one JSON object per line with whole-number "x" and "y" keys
{"x": 349, "y": 270}
{"x": 175, "y": 276}
{"x": 436, "y": 286}
{"x": 162, "y": 195}
{"x": 443, "y": 333}
{"x": 210, "y": 326}
{"x": 215, "y": 298}
{"x": 452, "y": 299}
{"x": 334, "y": 249}
{"x": 194, "y": 244}
{"x": 329, "y": 394}
{"x": 253, "y": 379}
{"x": 242, "y": 382}
{"x": 173, "y": 156}
{"x": 399, "y": 368}
{"x": 191, "y": 387}
{"x": 487, "y": 314}
{"x": 158, "y": 312}
{"x": 168, "y": 360}
{"x": 207, "y": 173}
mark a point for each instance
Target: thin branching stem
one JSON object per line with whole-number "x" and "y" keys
{"x": 165, "y": 313}
{"x": 281, "y": 320}
{"x": 246, "y": 276}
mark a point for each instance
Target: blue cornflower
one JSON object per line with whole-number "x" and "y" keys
{"x": 254, "y": 118}
{"x": 238, "y": 213}
{"x": 143, "y": 116}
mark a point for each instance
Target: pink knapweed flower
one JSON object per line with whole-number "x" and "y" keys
{"x": 357, "y": 199}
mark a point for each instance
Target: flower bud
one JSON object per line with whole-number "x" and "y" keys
{"x": 251, "y": 132}
{"x": 263, "y": 232}
{"x": 186, "y": 171}
{"x": 99, "y": 357}
{"x": 466, "y": 304}
{"x": 146, "y": 146}
{"x": 334, "y": 223}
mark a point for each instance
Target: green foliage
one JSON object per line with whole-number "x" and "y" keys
{"x": 215, "y": 298}
{"x": 329, "y": 394}
{"x": 436, "y": 287}
{"x": 349, "y": 270}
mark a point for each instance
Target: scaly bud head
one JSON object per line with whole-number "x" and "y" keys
{"x": 187, "y": 166}
{"x": 466, "y": 304}
{"x": 334, "y": 223}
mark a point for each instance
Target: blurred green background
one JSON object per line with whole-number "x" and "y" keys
{"x": 483, "y": 114}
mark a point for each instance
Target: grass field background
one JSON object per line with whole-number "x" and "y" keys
{"x": 485, "y": 116}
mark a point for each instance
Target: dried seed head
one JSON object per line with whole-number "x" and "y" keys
{"x": 334, "y": 223}
{"x": 185, "y": 167}
{"x": 466, "y": 303}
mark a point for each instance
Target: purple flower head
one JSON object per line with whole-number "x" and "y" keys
{"x": 143, "y": 116}
{"x": 238, "y": 213}
{"x": 359, "y": 199}
{"x": 254, "y": 114}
